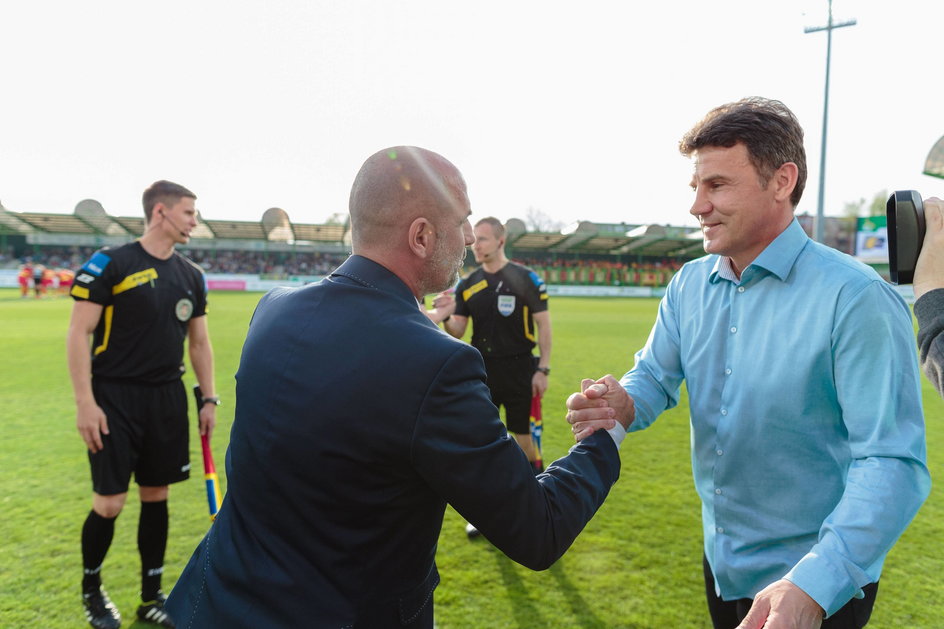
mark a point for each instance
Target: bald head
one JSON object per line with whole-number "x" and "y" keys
{"x": 397, "y": 185}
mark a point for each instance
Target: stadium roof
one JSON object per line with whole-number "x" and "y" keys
{"x": 934, "y": 165}
{"x": 91, "y": 220}
{"x": 609, "y": 239}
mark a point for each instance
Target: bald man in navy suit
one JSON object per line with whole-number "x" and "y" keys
{"x": 357, "y": 420}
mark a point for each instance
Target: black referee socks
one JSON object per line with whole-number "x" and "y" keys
{"x": 97, "y": 533}
{"x": 152, "y": 542}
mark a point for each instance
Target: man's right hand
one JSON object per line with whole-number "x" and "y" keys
{"x": 445, "y": 301}
{"x": 444, "y": 304}
{"x": 92, "y": 424}
{"x": 598, "y": 406}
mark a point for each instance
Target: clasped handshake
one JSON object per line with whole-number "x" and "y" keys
{"x": 599, "y": 405}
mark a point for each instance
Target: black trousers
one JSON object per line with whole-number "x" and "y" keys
{"x": 728, "y": 614}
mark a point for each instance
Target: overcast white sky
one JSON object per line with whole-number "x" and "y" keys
{"x": 571, "y": 108}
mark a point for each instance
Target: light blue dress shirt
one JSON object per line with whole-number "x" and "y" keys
{"x": 808, "y": 446}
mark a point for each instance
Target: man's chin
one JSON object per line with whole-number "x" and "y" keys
{"x": 434, "y": 288}
{"x": 711, "y": 246}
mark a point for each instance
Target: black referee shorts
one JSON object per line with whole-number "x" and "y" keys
{"x": 149, "y": 436}
{"x": 509, "y": 381}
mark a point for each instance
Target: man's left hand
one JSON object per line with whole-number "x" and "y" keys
{"x": 538, "y": 384}
{"x": 782, "y": 605}
{"x": 207, "y": 419}
{"x": 929, "y": 270}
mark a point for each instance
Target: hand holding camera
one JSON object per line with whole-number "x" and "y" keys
{"x": 929, "y": 269}
{"x": 915, "y": 240}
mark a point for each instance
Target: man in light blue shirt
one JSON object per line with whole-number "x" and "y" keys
{"x": 808, "y": 446}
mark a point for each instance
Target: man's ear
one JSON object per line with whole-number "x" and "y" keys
{"x": 420, "y": 235}
{"x": 785, "y": 180}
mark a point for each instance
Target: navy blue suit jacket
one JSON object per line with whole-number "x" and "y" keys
{"x": 357, "y": 420}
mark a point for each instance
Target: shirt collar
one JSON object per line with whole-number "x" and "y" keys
{"x": 777, "y": 258}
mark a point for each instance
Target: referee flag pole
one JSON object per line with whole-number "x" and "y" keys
{"x": 537, "y": 427}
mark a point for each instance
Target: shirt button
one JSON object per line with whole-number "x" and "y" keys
{"x": 719, "y": 452}
{"x": 720, "y": 529}
{"x": 724, "y": 411}
{"x": 727, "y": 372}
{"x": 733, "y": 329}
{"x": 740, "y": 289}
{"x": 717, "y": 492}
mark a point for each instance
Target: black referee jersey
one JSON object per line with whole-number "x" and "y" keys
{"x": 148, "y": 304}
{"x": 501, "y": 306}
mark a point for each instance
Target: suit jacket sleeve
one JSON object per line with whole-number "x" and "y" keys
{"x": 461, "y": 448}
{"x": 929, "y": 311}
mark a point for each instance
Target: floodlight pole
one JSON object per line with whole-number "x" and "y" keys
{"x": 822, "y": 154}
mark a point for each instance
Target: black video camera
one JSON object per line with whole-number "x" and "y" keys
{"x": 904, "y": 215}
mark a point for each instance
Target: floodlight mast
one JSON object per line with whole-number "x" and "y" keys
{"x": 830, "y": 26}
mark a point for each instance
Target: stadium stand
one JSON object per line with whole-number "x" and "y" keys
{"x": 56, "y": 223}
{"x": 132, "y": 224}
{"x": 585, "y": 253}
{"x": 320, "y": 233}
{"x": 92, "y": 212}
{"x": 236, "y": 229}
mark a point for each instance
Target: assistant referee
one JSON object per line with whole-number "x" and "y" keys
{"x": 137, "y": 303}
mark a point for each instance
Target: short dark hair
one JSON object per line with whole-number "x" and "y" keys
{"x": 166, "y": 192}
{"x": 772, "y": 134}
{"x": 497, "y": 228}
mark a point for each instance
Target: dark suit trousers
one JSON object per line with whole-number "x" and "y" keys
{"x": 728, "y": 614}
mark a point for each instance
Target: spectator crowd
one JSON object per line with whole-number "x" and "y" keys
{"x": 283, "y": 264}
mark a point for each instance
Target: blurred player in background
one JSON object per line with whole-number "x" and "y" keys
{"x": 64, "y": 278}
{"x": 25, "y": 278}
{"x": 40, "y": 280}
{"x": 139, "y": 303}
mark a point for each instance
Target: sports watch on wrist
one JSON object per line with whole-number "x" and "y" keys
{"x": 198, "y": 396}
{"x": 545, "y": 370}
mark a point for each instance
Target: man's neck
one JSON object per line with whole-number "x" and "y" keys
{"x": 157, "y": 245}
{"x": 496, "y": 265}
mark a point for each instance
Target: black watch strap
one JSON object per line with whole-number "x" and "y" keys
{"x": 198, "y": 395}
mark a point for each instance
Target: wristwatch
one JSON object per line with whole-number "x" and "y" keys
{"x": 215, "y": 400}
{"x": 545, "y": 370}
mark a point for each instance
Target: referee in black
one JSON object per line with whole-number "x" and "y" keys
{"x": 504, "y": 300}
{"x": 137, "y": 303}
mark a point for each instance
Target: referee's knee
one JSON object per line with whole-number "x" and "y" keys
{"x": 153, "y": 494}
{"x": 108, "y": 506}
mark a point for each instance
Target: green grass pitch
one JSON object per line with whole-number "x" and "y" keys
{"x": 637, "y": 565}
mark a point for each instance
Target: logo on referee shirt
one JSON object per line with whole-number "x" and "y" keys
{"x": 506, "y": 305}
{"x": 184, "y": 309}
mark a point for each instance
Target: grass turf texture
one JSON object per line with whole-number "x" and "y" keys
{"x": 636, "y": 565}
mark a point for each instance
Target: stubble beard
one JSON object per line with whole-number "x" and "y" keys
{"x": 443, "y": 270}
